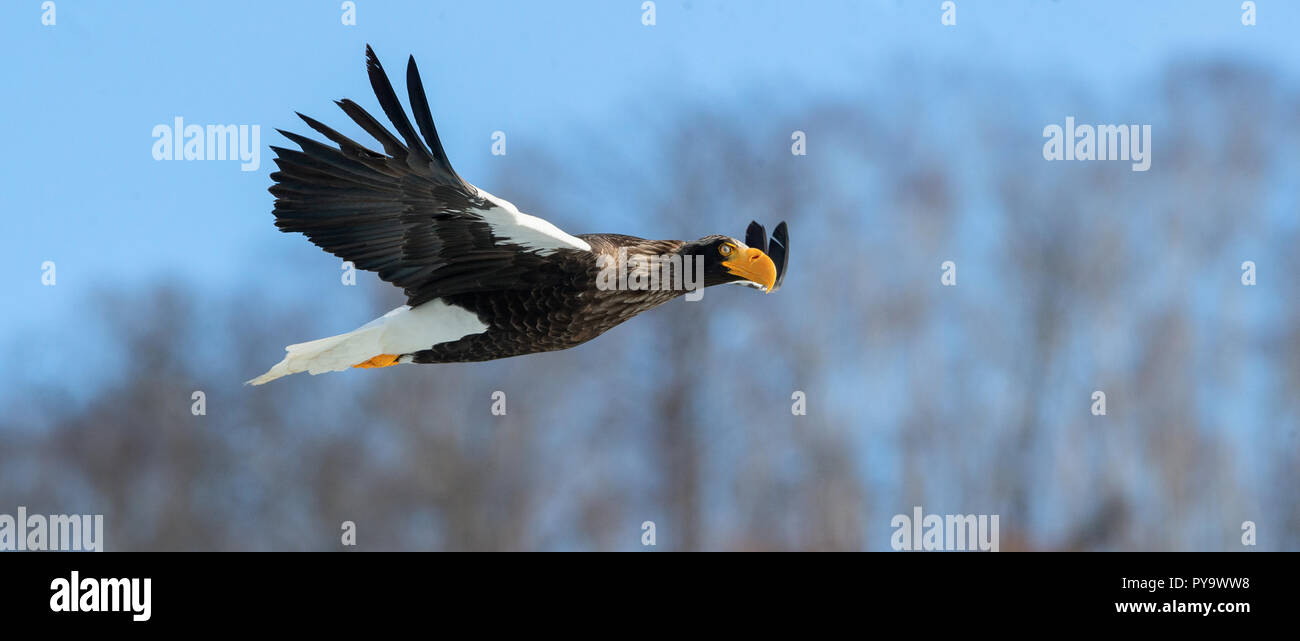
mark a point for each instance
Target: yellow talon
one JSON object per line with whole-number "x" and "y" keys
{"x": 383, "y": 360}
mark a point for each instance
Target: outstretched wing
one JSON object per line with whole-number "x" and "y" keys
{"x": 405, "y": 213}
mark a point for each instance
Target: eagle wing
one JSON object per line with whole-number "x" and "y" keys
{"x": 405, "y": 214}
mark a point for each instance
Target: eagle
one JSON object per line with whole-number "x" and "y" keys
{"x": 482, "y": 279}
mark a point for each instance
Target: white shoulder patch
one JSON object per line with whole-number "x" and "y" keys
{"x": 512, "y": 225}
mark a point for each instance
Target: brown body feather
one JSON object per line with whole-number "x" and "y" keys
{"x": 567, "y": 313}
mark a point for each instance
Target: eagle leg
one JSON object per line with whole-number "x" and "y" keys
{"x": 383, "y": 360}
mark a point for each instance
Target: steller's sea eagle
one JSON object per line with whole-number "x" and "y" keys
{"x": 482, "y": 279}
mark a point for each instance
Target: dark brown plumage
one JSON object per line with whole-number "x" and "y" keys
{"x": 558, "y": 315}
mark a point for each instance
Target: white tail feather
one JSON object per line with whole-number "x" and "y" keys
{"x": 401, "y": 331}
{"x": 332, "y": 354}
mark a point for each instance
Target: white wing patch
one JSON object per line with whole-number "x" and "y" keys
{"x": 513, "y": 226}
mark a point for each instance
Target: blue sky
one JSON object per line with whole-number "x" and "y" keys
{"x": 83, "y": 190}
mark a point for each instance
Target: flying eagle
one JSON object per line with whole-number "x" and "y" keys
{"x": 483, "y": 280}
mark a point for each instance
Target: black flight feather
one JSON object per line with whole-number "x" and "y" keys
{"x": 424, "y": 119}
{"x": 780, "y": 253}
{"x": 756, "y": 236}
{"x": 392, "y": 108}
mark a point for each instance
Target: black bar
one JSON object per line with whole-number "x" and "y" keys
{"x": 310, "y": 589}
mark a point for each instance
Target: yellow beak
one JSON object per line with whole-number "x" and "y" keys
{"x": 753, "y": 265}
